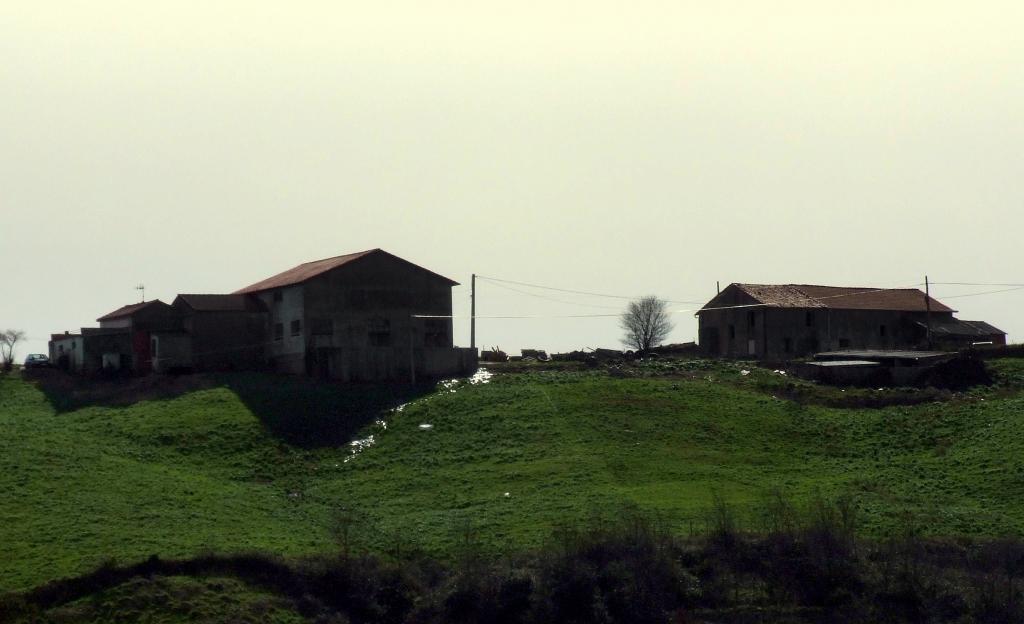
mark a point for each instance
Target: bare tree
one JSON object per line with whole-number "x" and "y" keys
{"x": 9, "y": 338}
{"x": 646, "y": 323}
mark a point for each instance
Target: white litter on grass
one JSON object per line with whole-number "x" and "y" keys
{"x": 358, "y": 446}
{"x": 508, "y": 495}
{"x": 780, "y": 372}
{"x": 744, "y": 372}
{"x": 426, "y": 427}
{"x": 482, "y": 376}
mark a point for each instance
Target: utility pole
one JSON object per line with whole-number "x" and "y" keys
{"x": 142, "y": 287}
{"x": 718, "y": 289}
{"x": 412, "y": 349}
{"x": 928, "y": 310}
{"x": 472, "y": 313}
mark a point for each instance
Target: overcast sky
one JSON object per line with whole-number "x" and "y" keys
{"x": 623, "y": 148}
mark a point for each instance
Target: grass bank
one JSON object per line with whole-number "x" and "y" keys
{"x": 247, "y": 462}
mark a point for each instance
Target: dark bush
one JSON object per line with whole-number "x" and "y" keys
{"x": 960, "y": 373}
{"x": 807, "y": 565}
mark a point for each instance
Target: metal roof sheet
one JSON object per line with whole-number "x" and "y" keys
{"x": 128, "y": 310}
{"x": 841, "y": 297}
{"x": 221, "y": 303}
{"x": 957, "y": 327}
{"x": 309, "y": 270}
{"x": 875, "y": 354}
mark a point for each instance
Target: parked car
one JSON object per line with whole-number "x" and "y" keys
{"x": 37, "y": 360}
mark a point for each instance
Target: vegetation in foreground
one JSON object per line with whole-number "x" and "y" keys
{"x": 809, "y": 567}
{"x": 242, "y": 462}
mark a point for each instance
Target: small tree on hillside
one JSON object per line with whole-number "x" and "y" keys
{"x": 9, "y": 338}
{"x": 646, "y": 323}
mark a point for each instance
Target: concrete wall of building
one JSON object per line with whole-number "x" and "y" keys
{"x": 171, "y": 351}
{"x": 105, "y": 345}
{"x": 227, "y": 340}
{"x": 967, "y": 342}
{"x": 285, "y": 349}
{"x": 67, "y": 352}
{"x": 360, "y": 322}
{"x": 395, "y": 363}
{"x": 157, "y": 317}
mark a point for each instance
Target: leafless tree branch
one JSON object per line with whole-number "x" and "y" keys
{"x": 9, "y": 338}
{"x": 646, "y": 323}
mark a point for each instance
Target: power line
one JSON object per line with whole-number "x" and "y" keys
{"x": 701, "y": 309}
{"x": 974, "y": 284}
{"x": 529, "y": 294}
{"x": 987, "y": 292}
{"x": 568, "y": 290}
{"x": 523, "y": 316}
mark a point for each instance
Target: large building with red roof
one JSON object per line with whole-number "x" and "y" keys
{"x": 362, "y": 316}
{"x": 783, "y": 321}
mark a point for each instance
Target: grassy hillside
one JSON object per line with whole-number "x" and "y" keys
{"x": 241, "y": 463}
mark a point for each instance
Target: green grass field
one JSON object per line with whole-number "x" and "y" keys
{"x": 240, "y": 463}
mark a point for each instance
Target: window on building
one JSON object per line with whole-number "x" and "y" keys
{"x": 435, "y": 333}
{"x": 881, "y": 331}
{"x": 278, "y": 331}
{"x": 278, "y": 296}
{"x": 732, "y": 332}
{"x": 321, "y": 327}
{"x": 787, "y": 345}
{"x": 296, "y": 327}
{"x": 809, "y": 319}
{"x": 380, "y": 332}
{"x": 751, "y": 318}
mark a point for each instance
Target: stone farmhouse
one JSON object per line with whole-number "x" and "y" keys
{"x": 367, "y": 316}
{"x": 784, "y": 321}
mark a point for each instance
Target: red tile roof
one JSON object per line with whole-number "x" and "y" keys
{"x": 841, "y": 297}
{"x": 222, "y": 303}
{"x": 128, "y": 310}
{"x": 309, "y": 270}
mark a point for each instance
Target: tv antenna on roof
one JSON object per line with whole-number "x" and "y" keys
{"x": 142, "y": 287}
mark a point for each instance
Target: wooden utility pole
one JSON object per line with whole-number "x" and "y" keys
{"x": 412, "y": 349}
{"x": 718, "y": 289}
{"x": 472, "y": 313}
{"x": 928, "y": 310}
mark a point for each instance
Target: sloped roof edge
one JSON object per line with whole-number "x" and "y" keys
{"x": 837, "y": 297}
{"x": 128, "y": 310}
{"x": 309, "y": 270}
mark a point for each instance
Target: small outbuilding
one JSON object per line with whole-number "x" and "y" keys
{"x": 67, "y": 352}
